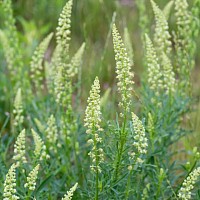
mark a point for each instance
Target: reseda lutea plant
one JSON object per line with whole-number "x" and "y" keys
{"x": 51, "y": 146}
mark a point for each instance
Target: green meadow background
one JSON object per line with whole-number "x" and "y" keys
{"x": 91, "y": 20}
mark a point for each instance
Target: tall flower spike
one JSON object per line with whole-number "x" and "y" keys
{"x": 9, "y": 192}
{"x": 162, "y": 36}
{"x": 52, "y": 133}
{"x": 70, "y": 193}
{"x": 40, "y": 148}
{"x": 140, "y": 140}
{"x": 154, "y": 74}
{"x": 18, "y": 109}
{"x": 63, "y": 30}
{"x": 168, "y": 74}
{"x": 36, "y": 62}
{"x": 123, "y": 70}
{"x": 92, "y": 122}
{"x": 19, "y": 149}
{"x": 188, "y": 185}
{"x": 32, "y": 178}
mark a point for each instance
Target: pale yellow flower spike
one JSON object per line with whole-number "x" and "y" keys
{"x": 70, "y": 193}
{"x": 19, "y": 149}
{"x": 123, "y": 70}
{"x": 140, "y": 139}
{"x": 32, "y": 178}
{"x": 40, "y": 148}
{"x": 92, "y": 122}
{"x": 188, "y": 184}
{"x": 63, "y": 30}
{"x": 9, "y": 192}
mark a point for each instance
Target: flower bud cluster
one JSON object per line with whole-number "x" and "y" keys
{"x": 18, "y": 109}
{"x": 188, "y": 185}
{"x": 70, "y": 193}
{"x": 140, "y": 141}
{"x": 10, "y": 184}
{"x": 32, "y": 177}
{"x": 123, "y": 70}
{"x": 92, "y": 122}
{"x": 154, "y": 71}
{"x": 19, "y": 149}
{"x": 36, "y": 67}
{"x": 162, "y": 36}
{"x": 40, "y": 148}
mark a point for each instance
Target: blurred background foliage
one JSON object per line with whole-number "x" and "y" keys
{"x": 91, "y": 20}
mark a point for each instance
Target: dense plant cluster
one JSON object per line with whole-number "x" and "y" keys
{"x": 53, "y": 147}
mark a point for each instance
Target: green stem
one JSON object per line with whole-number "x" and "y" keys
{"x": 28, "y": 195}
{"x": 97, "y": 183}
{"x": 97, "y": 164}
{"x": 128, "y": 184}
{"x": 129, "y": 178}
{"x": 121, "y": 149}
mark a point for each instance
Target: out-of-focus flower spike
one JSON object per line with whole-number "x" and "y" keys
{"x": 127, "y": 43}
{"x": 52, "y": 133}
{"x": 76, "y": 61}
{"x": 168, "y": 75}
{"x": 167, "y": 9}
{"x": 36, "y": 62}
{"x": 162, "y": 36}
{"x": 154, "y": 71}
{"x": 18, "y": 109}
